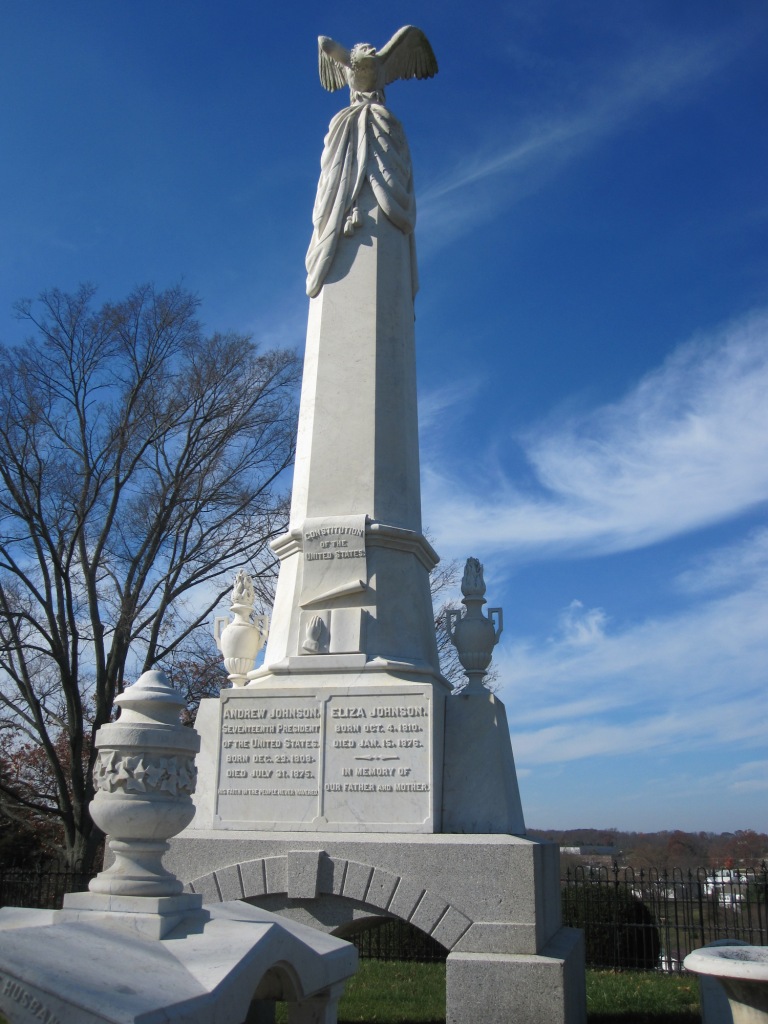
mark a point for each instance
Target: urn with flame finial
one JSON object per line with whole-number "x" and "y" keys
{"x": 474, "y": 635}
{"x": 241, "y": 639}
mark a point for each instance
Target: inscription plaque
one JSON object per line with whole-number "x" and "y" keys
{"x": 270, "y": 754}
{"x": 322, "y": 759}
{"x": 334, "y": 559}
{"x": 23, "y": 1002}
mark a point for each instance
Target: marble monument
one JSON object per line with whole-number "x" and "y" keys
{"x": 344, "y": 781}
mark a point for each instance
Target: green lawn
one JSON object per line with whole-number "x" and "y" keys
{"x": 388, "y": 992}
{"x": 405, "y": 993}
{"x": 635, "y": 997}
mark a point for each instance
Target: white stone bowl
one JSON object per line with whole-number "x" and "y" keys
{"x": 747, "y": 963}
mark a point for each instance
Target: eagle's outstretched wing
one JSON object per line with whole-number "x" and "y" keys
{"x": 332, "y": 59}
{"x": 407, "y": 55}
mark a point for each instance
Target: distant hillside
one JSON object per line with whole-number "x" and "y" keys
{"x": 744, "y": 849}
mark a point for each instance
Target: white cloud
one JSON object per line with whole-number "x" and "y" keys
{"x": 687, "y": 448}
{"x": 694, "y": 681}
{"x": 580, "y": 626}
{"x": 751, "y": 777}
{"x": 449, "y": 401}
{"x": 734, "y": 566}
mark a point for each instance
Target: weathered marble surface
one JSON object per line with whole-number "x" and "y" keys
{"x": 492, "y": 900}
{"x": 473, "y": 893}
{"x": 208, "y": 970}
{"x": 358, "y": 631}
{"x": 357, "y": 460}
{"x": 322, "y": 759}
{"x": 138, "y": 949}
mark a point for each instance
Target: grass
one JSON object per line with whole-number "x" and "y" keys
{"x": 389, "y": 992}
{"x": 636, "y": 997}
{"x": 386, "y": 992}
{"x": 409, "y": 993}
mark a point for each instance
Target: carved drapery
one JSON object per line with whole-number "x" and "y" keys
{"x": 365, "y": 143}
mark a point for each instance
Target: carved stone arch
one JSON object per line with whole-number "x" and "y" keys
{"x": 280, "y": 981}
{"x": 309, "y": 874}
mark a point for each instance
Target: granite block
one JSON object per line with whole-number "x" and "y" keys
{"x": 429, "y": 911}
{"x": 229, "y": 883}
{"x": 275, "y": 874}
{"x": 407, "y": 897}
{"x": 252, "y": 874}
{"x": 356, "y": 880}
{"x": 303, "y": 870}
{"x": 381, "y": 889}
{"x": 451, "y": 926}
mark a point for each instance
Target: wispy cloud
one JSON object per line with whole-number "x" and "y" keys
{"x": 580, "y": 626}
{"x": 734, "y": 566}
{"x": 450, "y": 401}
{"x": 682, "y": 682}
{"x": 508, "y": 168}
{"x": 751, "y": 777}
{"x": 688, "y": 447}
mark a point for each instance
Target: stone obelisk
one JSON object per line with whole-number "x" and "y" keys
{"x": 353, "y": 597}
{"x": 342, "y": 727}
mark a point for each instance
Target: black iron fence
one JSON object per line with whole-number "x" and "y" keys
{"x": 397, "y": 940}
{"x": 651, "y": 920}
{"x": 41, "y": 886}
{"x": 632, "y": 919}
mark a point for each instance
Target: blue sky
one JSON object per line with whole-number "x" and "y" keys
{"x": 592, "y": 325}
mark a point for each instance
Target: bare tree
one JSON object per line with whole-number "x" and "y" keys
{"x": 444, "y": 579}
{"x": 139, "y": 468}
{"x": 197, "y": 670}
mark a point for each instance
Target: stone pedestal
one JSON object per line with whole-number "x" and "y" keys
{"x": 524, "y": 989}
{"x": 493, "y": 901}
{"x": 459, "y": 868}
{"x": 480, "y": 791}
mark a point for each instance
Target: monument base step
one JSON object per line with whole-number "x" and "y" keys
{"x": 472, "y": 893}
{"x": 498, "y": 988}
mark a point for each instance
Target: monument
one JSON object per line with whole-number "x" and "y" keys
{"x": 343, "y": 781}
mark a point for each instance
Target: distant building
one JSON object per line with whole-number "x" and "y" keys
{"x": 729, "y": 887}
{"x": 591, "y": 851}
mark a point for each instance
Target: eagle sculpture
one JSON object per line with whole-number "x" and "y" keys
{"x": 365, "y": 147}
{"x": 367, "y": 70}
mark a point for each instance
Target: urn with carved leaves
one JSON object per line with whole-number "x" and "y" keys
{"x": 144, "y": 776}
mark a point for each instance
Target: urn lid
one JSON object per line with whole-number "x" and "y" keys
{"x": 151, "y": 698}
{"x": 149, "y": 714}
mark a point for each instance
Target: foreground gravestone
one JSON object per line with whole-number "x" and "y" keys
{"x": 136, "y": 949}
{"x": 344, "y": 781}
